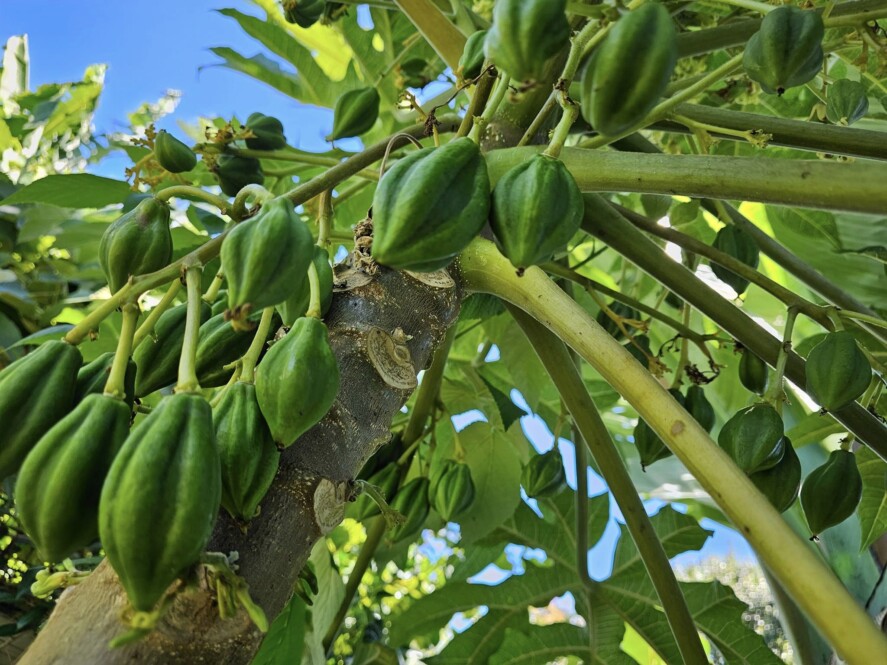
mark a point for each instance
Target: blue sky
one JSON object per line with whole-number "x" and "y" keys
{"x": 164, "y": 44}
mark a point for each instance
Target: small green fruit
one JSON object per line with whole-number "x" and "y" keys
{"x": 544, "y": 476}
{"x": 138, "y": 242}
{"x": 356, "y": 112}
{"x": 172, "y": 154}
{"x": 837, "y": 371}
{"x": 831, "y": 493}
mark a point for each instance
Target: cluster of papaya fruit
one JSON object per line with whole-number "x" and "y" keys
{"x": 151, "y": 492}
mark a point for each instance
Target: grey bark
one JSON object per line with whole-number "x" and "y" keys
{"x": 306, "y": 500}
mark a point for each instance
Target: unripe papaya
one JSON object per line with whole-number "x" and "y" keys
{"x": 786, "y": 51}
{"x": 297, "y": 380}
{"x": 753, "y": 438}
{"x": 303, "y": 13}
{"x": 429, "y": 206}
{"x": 92, "y": 377}
{"x": 386, "y": 481}
{"x": 472, "y": 59}
{"x": 544, "y": 476}
{"x": 58, "y": 487}
{"x": 157, "y": 359}
{"x": 235, "y": 173}
{"x": 650, "y": 447}
{"x": 263, "y": 257}
{"x": 219, "y": 344}
{"x": 356, "y": 112}
{"x": 525, "y": 34}
{"x": 699, "y": 407}
{"x": 537, "y": 208}
{"x": 738, "y": 244}
{"x": 138, "y": 242}
{"x": 172, "y": 154}
{"x": 247, "y": 452}
{"x": 268, "y": 132}
{"x": 846, "y": 103}
{"x": 297, "y": 303}
{"x": 630, "y": 70}
{"x": 36, "y": 391}
{"x": 781, "y": 483}
{"x": 161, "y": 497}
{"x": 753, "y": 373}
{"x": 621, "y": 310}
{"x": 451, "y": 491}
{"x": 837, "y": 371}
{"x": 411, "y": 501}
{"x": 831, "y": 493}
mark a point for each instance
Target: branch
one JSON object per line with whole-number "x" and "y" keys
{"x": 855, "y": 187}
{"x": 560, "y": 367}
{"x": 810, "y": 582}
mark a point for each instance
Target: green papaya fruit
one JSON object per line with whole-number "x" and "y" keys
{"x": 411, "y": 501}
{"x": 297, "y": 380}
{"x": 92, "y": 377}
{"x": 699, "y": 407}
{"x": 356, "y": 112}
{"x": 656, "y": 206}
{"x": 525, "y": 34}
{"x": 544, "y": 476}
{"x": 157, "y": 358}
{"x": 161, "y": 497}
{"x": 537, "y": 208}
{"x": 472, "y": 60}
{"x": 738, "y": 244}
{"x": 630, "y": 70}
{"x": 138, "y": 242}
{"x": 650, "y": 447}
{"x": 847, "y": 102}
{"x": 263, "y": 257}
{"x": 621, "y": 310}
{"x": 787, "y": 49}
{"x": 831, "y": 493}
{"x": 781, "y": 483}
{"x": 247, "y": 452}
{"x": 235, "y": 173}
{"x": 172, "y": 154}
{"x": 753, "y": 373}
{"x": 303, "y": 13}
{"x": 36, "y": 391}
{"x": 268, "y": 132}
{"x": 219, "y": 344}
{"x": 60, "y": 482}
{"x": 429, "y": 206}
{"x": 452, "y": 491}
{"x": 753, "y": 438}
{"x": 386, "y": 480}
{"x": 297, "y": 303}
{"x": 837, "y": 371}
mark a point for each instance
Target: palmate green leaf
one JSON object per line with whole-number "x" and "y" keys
{"x": 494, "y": 458}
{"x": 314, "y": 85}
{"x": 285, "y": 640}
{"x": 74, "y": 190}
{"x": 555, "y": 532}
{"x": 543, "y": 644}
{"x": 872, "y": 509}
{"x": 507, "y": 603}
{"x": 262, "y": 69}
{"x": 813, "y": 428}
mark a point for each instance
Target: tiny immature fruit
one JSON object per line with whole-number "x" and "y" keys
{"x": 451, "y": 490}
{"x": 753, "y": 373}
{"x": 138, "y": 242}
{"x": 172, "y": 154}
{"x": 837, "y": 371}
{"x": 780, "y": 484}
{"x": 753, "y": 438}
{"x": 235, "y": 173}
{"x": 537, "y": 208}
{"x": 411, "y": 501}
{"x": 472, "y": 56}
{"x": 739, "y": 245}
{"x": 831, "y": 493}
{"x": 544, "y": 476}
{"x": 429, "y": 206}
{"x": 356, "y": 112}
{"x": 630, "y": 70}
{"x": 267, "y": 130}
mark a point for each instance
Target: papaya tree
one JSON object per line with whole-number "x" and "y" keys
{"x": 652, "y": 220}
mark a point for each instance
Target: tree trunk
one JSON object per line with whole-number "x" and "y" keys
{"x": 306, "y": 501}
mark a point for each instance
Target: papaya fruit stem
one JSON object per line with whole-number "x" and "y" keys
{"x": 257, "y": 192}
{"x": 188, "y": 382}
{"x": 325, "y": 219}
{"x": 189, "y": 192}
{"x": 775, "y": 394}
{"x": 213, "y": 291}
{"x": 115, "y": 387}
{"x": 496, "y": 99}
{"x": 314, "y": 304}
{"x": 251, "y": 357}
